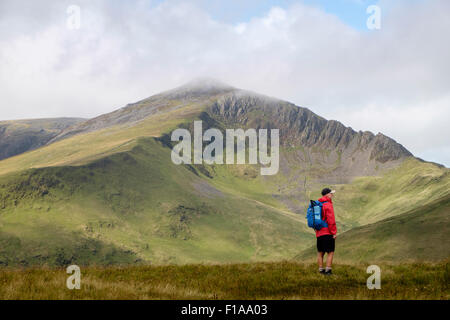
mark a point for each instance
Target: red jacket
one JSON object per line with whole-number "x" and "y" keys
{"x": 328, "y": 216}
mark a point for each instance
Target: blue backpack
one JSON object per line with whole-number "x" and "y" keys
{"x": 314, "y": 215}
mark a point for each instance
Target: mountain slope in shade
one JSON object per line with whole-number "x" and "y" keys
{"x": 19, "y": 136}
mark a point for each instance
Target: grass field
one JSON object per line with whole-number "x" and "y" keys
{"x": 261, "y": 280}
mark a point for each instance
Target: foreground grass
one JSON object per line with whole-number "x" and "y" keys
{"x": 265, "y": 280}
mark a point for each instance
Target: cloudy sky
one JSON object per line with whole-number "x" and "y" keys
{"x": 315, "y": 53}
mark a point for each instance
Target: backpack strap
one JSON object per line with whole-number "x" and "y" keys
{"x": 323, "y": 216}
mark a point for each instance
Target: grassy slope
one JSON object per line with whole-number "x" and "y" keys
{"x": 143, "y": 206}
{"x": 281, "y": 280}
{"x": 366, "y": 200}
{"x": 84, "y": 148}
{"x": 370, "y": 199}
{"x": 419, "y": 235}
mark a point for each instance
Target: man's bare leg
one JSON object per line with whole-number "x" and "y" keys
{"x": 330, "y": 259}
{"x": 320, "y": 260}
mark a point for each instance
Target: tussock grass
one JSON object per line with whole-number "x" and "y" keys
{"x": 261, "y": 280}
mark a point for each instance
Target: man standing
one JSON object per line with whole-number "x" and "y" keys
{"x": 326, "y": 236}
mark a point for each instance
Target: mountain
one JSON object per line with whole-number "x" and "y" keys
{"x": 105, "y": 190}
{"x": 19, "y": 136}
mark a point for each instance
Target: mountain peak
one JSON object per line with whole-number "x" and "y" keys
{"x": 299, "y": 126}
{"x": 200, "y": 87}
{"x": 206, "y": 83}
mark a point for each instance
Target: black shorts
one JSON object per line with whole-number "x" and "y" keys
{"x": 325, "y": 243}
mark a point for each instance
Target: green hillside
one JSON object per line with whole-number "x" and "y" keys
{"x": 418, "y": 235}
{"x": 87, "y": 147}
{"x": 137, "y": 206}
{"x": 106, "y": 191}
{"x": 369, "y": 199}
{"x": 366, "y": 200}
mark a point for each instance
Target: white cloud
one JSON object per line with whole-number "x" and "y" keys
{"x": 395, "y": 80}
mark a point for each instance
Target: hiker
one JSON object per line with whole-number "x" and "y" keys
{"x": 326, "y": 236}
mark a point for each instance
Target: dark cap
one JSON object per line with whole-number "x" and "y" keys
{"x": 327, "y": 191}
